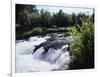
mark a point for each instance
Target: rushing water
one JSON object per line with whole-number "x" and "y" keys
{"x": 54, "y": 59}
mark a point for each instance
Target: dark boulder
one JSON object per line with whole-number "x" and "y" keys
{"x": 51, "y": 43}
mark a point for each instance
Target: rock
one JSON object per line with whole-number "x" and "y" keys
{"x": 51, "y": 43}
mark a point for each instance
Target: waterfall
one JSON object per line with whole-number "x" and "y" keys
{"x": 54, "y": 59}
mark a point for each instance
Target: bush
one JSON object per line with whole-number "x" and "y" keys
{"x": 83, "y": 48}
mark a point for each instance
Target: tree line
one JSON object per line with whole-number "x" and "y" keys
{"x": 28, "y": 16}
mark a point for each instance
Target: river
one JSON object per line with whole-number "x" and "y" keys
{"x": 54, "y": 60}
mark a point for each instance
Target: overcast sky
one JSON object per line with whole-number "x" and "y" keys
{"x": 70, "y": 10}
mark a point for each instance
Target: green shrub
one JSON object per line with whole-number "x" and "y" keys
{"x": 83, "y": 49}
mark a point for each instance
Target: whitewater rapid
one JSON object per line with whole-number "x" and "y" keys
{"x": 26, "y": 62}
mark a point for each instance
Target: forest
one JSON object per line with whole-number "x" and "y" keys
{"x": 31, "y": 22}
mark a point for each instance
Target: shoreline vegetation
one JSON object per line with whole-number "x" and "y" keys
{"x": 40, "y": 31}
{"x": 29, "y": 22}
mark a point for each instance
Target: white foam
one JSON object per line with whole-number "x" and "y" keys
{"x": 26, "y": 62}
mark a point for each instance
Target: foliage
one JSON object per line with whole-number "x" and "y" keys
{"x": 39, "y": 31}
{"x": 28, "y": 16}
{"x": 84, "y": 49}
{"x": 45, "y": 18}
{"x": 72, "y": 31}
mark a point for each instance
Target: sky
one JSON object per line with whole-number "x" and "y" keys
{"x": 69, "y": 10}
